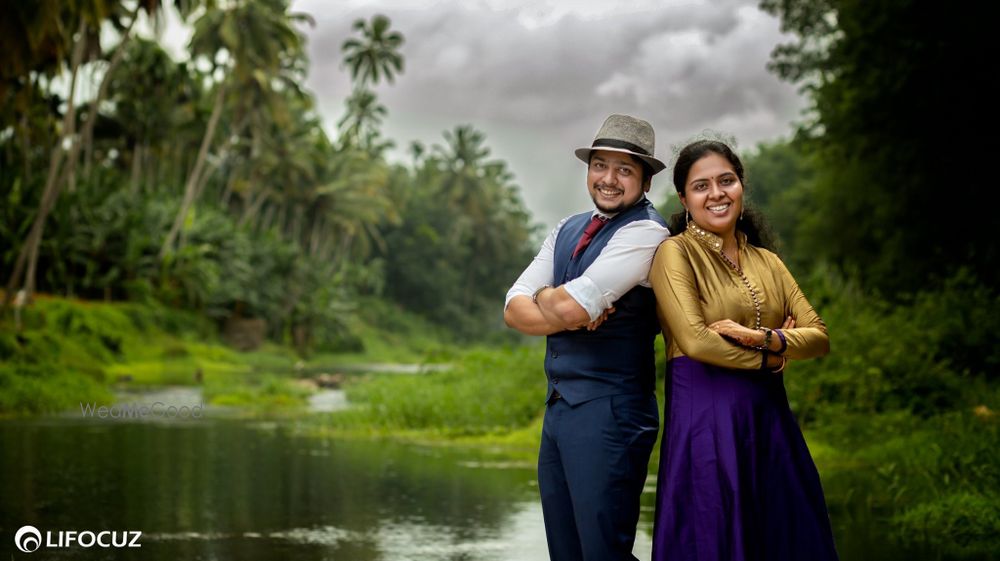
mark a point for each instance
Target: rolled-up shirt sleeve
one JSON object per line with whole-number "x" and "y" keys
{"x": 539, "y": 272}
{"x": 622, "y": 264}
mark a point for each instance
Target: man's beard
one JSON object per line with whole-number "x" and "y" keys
{"x": 620, "y": 206}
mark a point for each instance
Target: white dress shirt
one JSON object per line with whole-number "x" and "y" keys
{"x": 623, "y": 263}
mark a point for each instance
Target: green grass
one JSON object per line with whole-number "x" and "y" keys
{"x": 73, "y": 350}
{"x": 486, "y": 391}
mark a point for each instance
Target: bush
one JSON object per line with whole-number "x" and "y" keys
{"x": 920, "y": 356}
{"x": 963, "y": 523}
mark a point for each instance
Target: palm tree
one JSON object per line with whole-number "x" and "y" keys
{"x": 148, "y": 93}
{"x": 376, "y": 54}
{"x": 62, "y": 166}
{"x": 50, "y": 193}
{"x": 256, "y": 47}
{"x": 462, "y": 183}
{"x": 363, "y": 117}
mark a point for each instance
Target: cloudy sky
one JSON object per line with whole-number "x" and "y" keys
{"x": 539, "y": 77}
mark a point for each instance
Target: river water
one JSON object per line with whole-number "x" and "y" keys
{"x": 227, "y": 488}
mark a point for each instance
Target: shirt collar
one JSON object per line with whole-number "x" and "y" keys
{"x": 712, "y": 241}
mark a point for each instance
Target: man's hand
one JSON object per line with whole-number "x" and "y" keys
{"x": 530, "y": 318}
{"x": 600, "y": 319}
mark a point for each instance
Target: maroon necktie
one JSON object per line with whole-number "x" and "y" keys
{"x": 596, "y": 223}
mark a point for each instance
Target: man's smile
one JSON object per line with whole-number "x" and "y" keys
{"x": 609, "y": 191}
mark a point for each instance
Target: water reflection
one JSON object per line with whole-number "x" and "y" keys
{"x": 225, "y": 489}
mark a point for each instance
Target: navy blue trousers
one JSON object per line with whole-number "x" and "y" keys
{"x": 591, "y": 470}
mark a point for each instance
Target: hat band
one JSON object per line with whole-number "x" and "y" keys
{"x": 615, "y": 143}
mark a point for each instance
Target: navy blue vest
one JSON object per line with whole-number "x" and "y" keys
{"x": 616, "y": 358}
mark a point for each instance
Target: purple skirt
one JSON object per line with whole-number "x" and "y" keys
{"x": 736, "y": 481}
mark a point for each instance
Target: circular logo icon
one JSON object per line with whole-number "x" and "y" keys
{"x": 28, "y": 539}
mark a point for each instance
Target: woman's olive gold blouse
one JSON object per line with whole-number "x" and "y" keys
{"x": 695, "y": 287}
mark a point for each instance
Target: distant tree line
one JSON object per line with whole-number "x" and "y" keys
{"x": 210, "y": 183}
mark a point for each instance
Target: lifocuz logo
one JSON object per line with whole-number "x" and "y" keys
{"x": 28, "y": 539}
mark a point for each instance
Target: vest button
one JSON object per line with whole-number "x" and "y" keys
{"x": 555, "y": 380}
{"x": 555, "y": 354}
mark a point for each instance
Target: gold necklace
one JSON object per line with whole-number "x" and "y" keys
{"x": 739, "y": 271}
{"x": 746, "y": 283}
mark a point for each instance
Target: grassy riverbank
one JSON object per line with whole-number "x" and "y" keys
{"x": 73, "y": 351}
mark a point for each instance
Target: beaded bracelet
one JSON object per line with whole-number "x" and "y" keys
{"x": 766, "y": 346}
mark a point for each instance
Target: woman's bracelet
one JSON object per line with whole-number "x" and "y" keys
{"x": 766, "y": 345}
{"x": 784, "y": 343}
{"x": 784, "y": 361}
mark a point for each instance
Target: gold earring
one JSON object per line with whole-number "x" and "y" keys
{"x": 687, "y": 216}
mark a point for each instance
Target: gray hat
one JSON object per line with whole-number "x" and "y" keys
{"x": 622, "y": 133}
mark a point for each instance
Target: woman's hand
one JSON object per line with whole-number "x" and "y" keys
{"x": 742, "y": 334}
{"x": 739, "y": 333}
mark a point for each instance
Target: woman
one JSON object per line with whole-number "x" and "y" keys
{"x": 736, "y": 481}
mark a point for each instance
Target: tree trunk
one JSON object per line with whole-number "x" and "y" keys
{"x": 192, "y": 181}
{"x": 29, "y": 251}
{"x": 228, "y": 191}
{"x": 88, "y": 129}
{"x": 136, "y": 169}
{"x": 295, "y": 229}
{"x": 200, "y": 187}
{"x": 182, "y": 239}
{"x": 253, "y": 207}
{"x": 314, "y": 238}
{"x": 26, "y": 134}
{"x": 268, "y": 218}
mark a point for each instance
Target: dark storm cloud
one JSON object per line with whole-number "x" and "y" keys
{"x": 544, "y": 77}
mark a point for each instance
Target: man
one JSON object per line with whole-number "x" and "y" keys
{"x": 587, "y": 290}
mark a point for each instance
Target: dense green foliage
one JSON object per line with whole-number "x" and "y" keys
{"x": 894, "y": 132}
{"x": 209, "y": 184}
{"x": 462, "y": 240}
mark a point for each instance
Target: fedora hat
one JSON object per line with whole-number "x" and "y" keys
{"x": 622, "y": 133}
